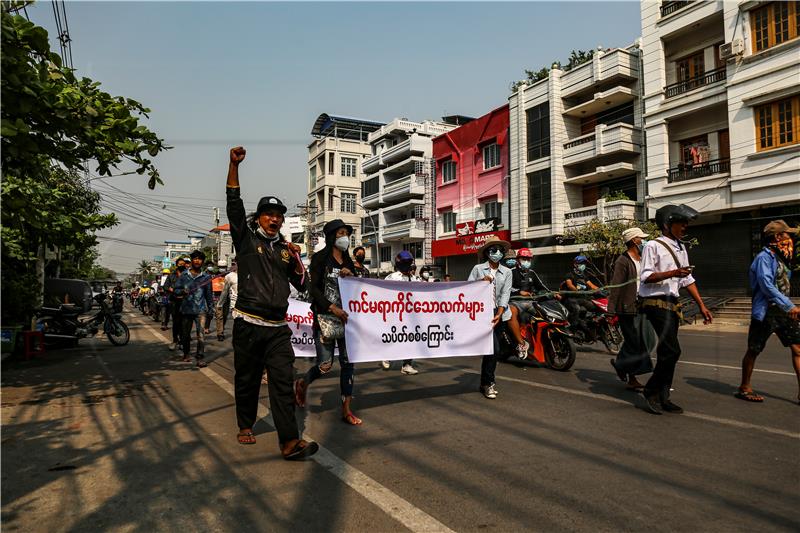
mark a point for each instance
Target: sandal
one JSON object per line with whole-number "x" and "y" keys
{"x": 352, "y": 419}
{"x": 246, "y": 437}
{"x": 201, "y": 364}
{"x": 300, "y": 390}
{"x": 301, "y": 450}
{"x": 749, "y": 396}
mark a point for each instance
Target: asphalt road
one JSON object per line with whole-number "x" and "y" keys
{"x": 103, "y": 438}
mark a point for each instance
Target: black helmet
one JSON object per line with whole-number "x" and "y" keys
{"x": 674, "y": 213}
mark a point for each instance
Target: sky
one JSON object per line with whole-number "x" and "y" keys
{"x": 257, "y": 74}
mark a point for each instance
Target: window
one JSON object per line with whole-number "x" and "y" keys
{"x": 369, "y": 224}
{"x": 690, "y": 67}
{"x": 331, "y": 196}
{"x": 491, "y": 209}
{"x": 415, "y": 248}
{"x": 348, "y": 202}
{"x": 448, "y": 171}
{"x": 419, "y": 211}
{"x": 312, "y": 177}
{"x": 695, "y": 151}
{"x": 386, "y": 254}
{"x": 369, "y": 187}
{"x": 448, "y": 221}
{"x": 773, "y": 24}
{"x": 349, "y": 167}
{"x": 331, "y": 161}
{"x": 778, "y": 123}
{"x": 353, "y": 241}
{"x": 539, "y": 198}
{"x": 491, "y": 156}
{"x": 538, "y": 119}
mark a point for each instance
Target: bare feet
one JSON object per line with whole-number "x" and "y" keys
{"x": 351, "y": 419}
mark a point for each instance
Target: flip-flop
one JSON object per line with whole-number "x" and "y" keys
{"x": 749, "y": 396}
{"x": 350, "y": 419}
{"x": 201, "y": 364}
{"x": 301, "y": 452}
{"x": 248, "y": 436}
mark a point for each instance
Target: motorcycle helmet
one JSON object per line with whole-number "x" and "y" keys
{"x": 165, "y": 271}
{"x": 580, "y": 259}
{"x": 144, "y": 284}
{"x": 674, "y": 213}
{"x": 524, "y": 252}
{"x": 404, "y": 261}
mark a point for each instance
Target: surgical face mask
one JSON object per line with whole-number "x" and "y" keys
{"x": 525, "y": 264}
{"x": 580, "y": 268}
{"x": 425, "y": 275}
{"x": 342, "y": 243}
{"x": 360, "y": 258}
{"x": 640, "y": 246}
{"x": 181, "y": 268}
{"x": 511, "y": 263}
{"x": 496, "y": 256}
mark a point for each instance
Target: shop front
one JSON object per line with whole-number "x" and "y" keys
{"x": 458, "y": 254}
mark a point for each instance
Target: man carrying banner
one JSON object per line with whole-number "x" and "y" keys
{"x": 500, "y": 277}
{"x": 404, "y": 271}
{"x": 261, "y": 335}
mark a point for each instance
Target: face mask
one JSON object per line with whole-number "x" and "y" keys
{"x": 181, "y": 268}
{"x": 511, "y": 263}
{"x": 640, "y": 246}
{"x": 360, "y": 258}
{"x": 342, "y": 243}
{"x": 496, "y": 256}
{"x": 425, "y": 275}
{"x": 580, "y": 268}
{"x": 525, "y": 264}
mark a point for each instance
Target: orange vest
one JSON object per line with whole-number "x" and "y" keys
{"x": 217, "y": 283}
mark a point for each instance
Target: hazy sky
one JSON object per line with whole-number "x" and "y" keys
{"x": 218, "y": 74}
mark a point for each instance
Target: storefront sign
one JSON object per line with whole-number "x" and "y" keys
{"x": 467, "y": 244}
{"x": 395, "y": 320}
{"x": 484, "y": 225}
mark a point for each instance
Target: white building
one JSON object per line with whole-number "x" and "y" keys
{"x": 397, "y": 192}
{"x": 175, "y": 249}
{"x": 722, "y": 122}
{"x": 575, "y": 153}
{"x": 294, "y": 230}
{"x": 334, "y": 173}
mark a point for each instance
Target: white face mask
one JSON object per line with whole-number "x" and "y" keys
{"x": 425, "y": 275}
{"x": 342, "y": 243}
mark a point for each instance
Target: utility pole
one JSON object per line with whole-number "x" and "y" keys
{"x": 219, "y": 234}
{"x": 306, "y": 215}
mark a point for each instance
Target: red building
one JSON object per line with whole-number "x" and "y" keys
{"x": 472, "y": 170}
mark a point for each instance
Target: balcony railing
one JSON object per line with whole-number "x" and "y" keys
{"x": 668, "y": 8}
{"x": 579, "y": 141}
{"x": 685, "y": 171}
{"x": 693, "y": 83}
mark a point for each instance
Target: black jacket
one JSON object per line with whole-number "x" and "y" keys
{"x": 265, "y": 268}
{"x": 525, "y": 280}
{"x": 318, "y": 272}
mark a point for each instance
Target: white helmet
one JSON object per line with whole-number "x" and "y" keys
{"x": 222, "y": 263}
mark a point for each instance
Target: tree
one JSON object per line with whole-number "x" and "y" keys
{"x": 144, "y": 268}
{"x": 52, "y": 124}
{"x": 605, "y": 239}
{"x": 576, "y": 58}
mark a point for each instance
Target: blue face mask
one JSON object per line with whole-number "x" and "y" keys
{"x": 525, "y": 264}
{"x": 496, "y": 256}
{"x": 511, "y": 263}
{"x": 641, "y": 246}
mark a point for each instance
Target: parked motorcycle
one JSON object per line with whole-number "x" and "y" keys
{"x": 63, "y": 323}
{"x": 545, "y": 330}
{"x": 600, "y": 326}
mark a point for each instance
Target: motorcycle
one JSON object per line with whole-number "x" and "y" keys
{"x": 60, "y": 324}
{"x": 545, "y": 329}
{"x": 117, "y": 300}
{"x": 599, "y": 325}
{"x": 154, "y": 304}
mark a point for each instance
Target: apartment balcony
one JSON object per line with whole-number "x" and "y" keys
{"x": 398, "y": 125}
{"x": 604, "y": 67}
{"x": 373, "y": 201}
{"x": 406, "y": 187}
{"x": 682, "y": 87}
{"x": 603, "y": 173}
{"x": 618, "y": 138}
{"x": 603, "y": 211}
{"x": 686, "y": 172}
{"x": 404, "y": 230}
{"x": 371, "y": 164}
{"x": 601, "y": 101}
{"x": 402, "y": 209}
{"x": 668, "y": 8}
{"x": 414, "y": 145}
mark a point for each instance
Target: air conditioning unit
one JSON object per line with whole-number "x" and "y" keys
{"x": 731, "y": 49}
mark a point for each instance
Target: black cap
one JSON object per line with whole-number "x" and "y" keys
{"x": 270, "y": 202}
{"x": 198, "y": 253}
{"x": 334, "y": 225}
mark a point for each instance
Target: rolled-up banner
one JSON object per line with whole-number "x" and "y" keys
{"x": 395, "y": 320}
{"x": 301, "y": 319}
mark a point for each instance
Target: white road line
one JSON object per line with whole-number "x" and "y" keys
{"x": 594, "y": 396}
{"x": 395, "y": 506}
{"x": 737, "y": 368}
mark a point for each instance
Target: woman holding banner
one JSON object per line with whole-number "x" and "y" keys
{"x": 327, "y": 266}
{"x": 493, "y": 251}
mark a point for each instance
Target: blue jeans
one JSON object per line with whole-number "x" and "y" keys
{"x": 325, "y": 363}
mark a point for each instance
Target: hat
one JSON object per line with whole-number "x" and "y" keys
{"x": 270, "y": 202}
{"x": 524, "y": 252}
{"x": 580, "y": 259}
{"x": 334, "y": 225}
{"x": 778, "y": 226}
{"x": 198, "y": 253}
{"x": 222, "y": 263}
{"x": 164, "y": 271}
{"x": 631, "y": 233}
{"x": 494, "y": 240}
{"x": 510, "y": 254}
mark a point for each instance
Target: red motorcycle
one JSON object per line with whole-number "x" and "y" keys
{"x": 599, "y": 325}
{"x": 544, "y": 328}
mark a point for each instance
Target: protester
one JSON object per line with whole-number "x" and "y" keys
{"x": 447, "y": 277}
{"x": 227, "y": 300}
{"x": 665, "y": 269}
{"x": 217, "y": 283}
{"x": 772, "y": 310}
{"x": 404, "y": 268}
{"x": 525, "y": 283}
{"x": 175, "y": 300}
{"x": 330, "y": 320}
{"x": 578, "y": 305}
{"x": 633, "y": 358}
{"x": 500, "y": 277}
{"x": 261, "y": 336}
{"x": 359, "y": 255}
{"x": 195, "y": 284}
{"x": 426, "y": 274}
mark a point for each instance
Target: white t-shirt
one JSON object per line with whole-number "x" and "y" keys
{"x": 399, "y": 276}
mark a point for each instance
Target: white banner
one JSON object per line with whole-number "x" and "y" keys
{"x": 395, "y": 320}
{"x": 300, "y": 319}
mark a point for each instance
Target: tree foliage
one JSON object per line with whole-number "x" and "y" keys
{"x": 576, "y": 58}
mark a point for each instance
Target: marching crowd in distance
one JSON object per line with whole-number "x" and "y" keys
{"x": 643, "y": 297}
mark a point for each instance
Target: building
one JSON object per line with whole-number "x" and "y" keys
{"x": 175, "y": 249}
{"x": 397, "y": 192}
{"x": 722, "y": 122}
{"x": 294, "y": 230}
{"x": 334, "y": 173}
{"x": 471, "y": 169}
{"x": 223, "y": 243}
{"x": 575, "y": 142}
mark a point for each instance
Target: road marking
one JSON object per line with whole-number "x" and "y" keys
{"x": 727, "y": 367}
{"x": 392, "y": 504}
{"x": 594, "y": 396}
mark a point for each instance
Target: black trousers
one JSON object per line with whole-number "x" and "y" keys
{"x": 489, "y": 361}
{"x": 256, "y": 347}
{"x": 177, "y": 321}
{"x": 186, "y": 335}
{"x": 633, "y": 358}
{"x": 668, "y": 352}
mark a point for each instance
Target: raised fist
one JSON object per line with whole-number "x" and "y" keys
{"x": 237, "y": 155}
